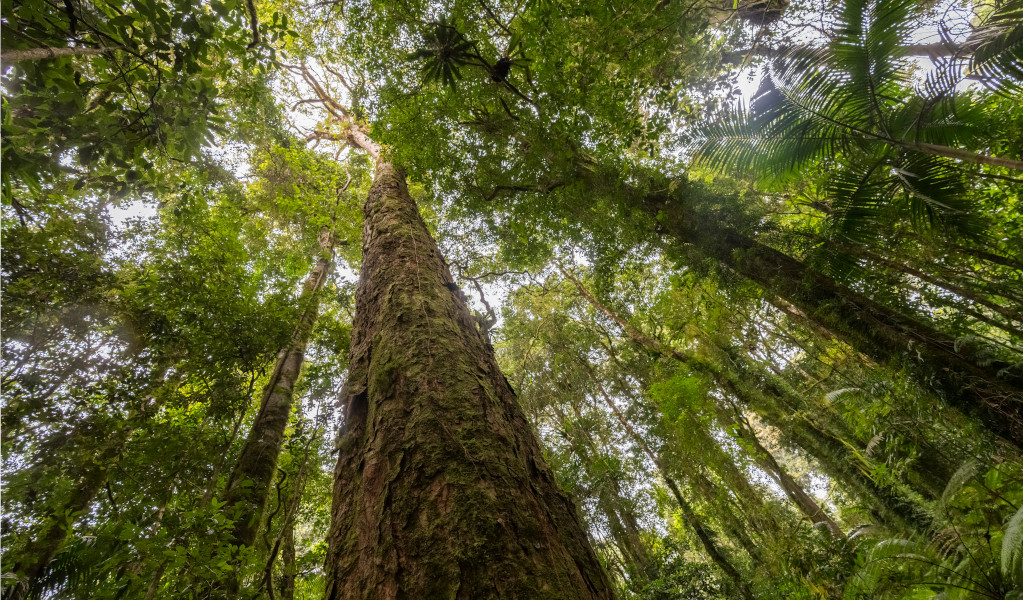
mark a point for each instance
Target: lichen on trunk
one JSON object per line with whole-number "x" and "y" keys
{"x": 440, "y": 488}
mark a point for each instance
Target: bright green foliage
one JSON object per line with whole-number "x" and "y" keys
{"x": 165, "y": 186}
{"x": 150, "y": 91}
{"x": 853, "y": 103}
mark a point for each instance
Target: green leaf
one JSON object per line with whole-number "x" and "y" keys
{"x": 1012, "y": 548}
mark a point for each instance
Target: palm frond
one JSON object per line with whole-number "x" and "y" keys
{"x": 869, "y": 47}
{"x": 998, "y": 57}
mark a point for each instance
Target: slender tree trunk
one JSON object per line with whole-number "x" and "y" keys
{"x": 249, "y": 484}
{"x": 707, "y": 540}
{"x": 839, "y": 459}
{"x": 290, "y": 574}
{"x": 994, "y": 398}
{"x": 91, "y": 477}
{"x": 641, "y": 553}
{"x": 610, "y": 500}
{"x": 933, "y": 51}
{"x": 766, "y": 461}
{"x": 440, "y": 489}
{"x": 705, "y": 536}
{"x": 958, "y": 154}
{"x": 792, "y": 489}
{"x": 974, "y": 296}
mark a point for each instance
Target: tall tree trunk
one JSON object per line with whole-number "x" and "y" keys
{"x": 249, "y": 484}
{"x": 959, "y": 288}
{"x": 47, "y": 52}
{"x": 440, "y": 489}
{"x": 933, "y": 51}
{"x": 994, "y": 398}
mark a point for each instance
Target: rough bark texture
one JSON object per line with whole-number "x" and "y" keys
{"x": 995, "y": 398}
{"x": 257, "y": 462}
{"x": 440, "y": 487}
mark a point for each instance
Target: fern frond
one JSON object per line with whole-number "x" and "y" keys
{"x": 966, "y": 471}
{"x": 1012, "y": 549}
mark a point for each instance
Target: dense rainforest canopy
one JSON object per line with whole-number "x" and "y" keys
{"x": 637, "y": 299}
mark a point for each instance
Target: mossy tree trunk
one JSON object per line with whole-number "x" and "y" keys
{"x": 250, "y": 480}
{"x": 440, "y": 488}
{"x": 88, "y": 468}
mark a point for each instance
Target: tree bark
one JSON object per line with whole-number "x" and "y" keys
{"x": 249, "y": 484}
{"x": 932, "y": 51}
{"x": 440, "y": 489}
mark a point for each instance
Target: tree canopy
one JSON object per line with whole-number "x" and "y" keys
{"x": 640, "y": 299}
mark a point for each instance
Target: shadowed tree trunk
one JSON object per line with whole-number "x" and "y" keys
{"x": 782, "y": 409}
{"x": 249, "y": 484}
{"x": 985, "y": 391}
{"x": 440, "y": 489}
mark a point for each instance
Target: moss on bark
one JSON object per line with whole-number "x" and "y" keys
{"x": 440, "y": 487}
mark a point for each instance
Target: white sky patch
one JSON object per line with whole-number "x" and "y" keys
{"x": 136, "y": 209}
